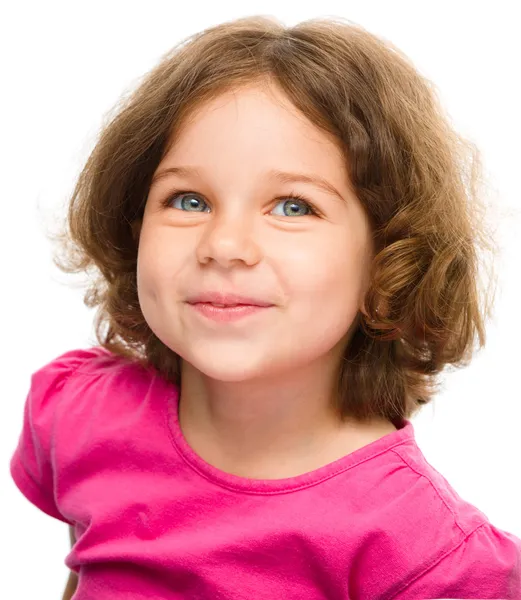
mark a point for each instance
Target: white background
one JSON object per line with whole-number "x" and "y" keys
{"x": 65, "y": 64}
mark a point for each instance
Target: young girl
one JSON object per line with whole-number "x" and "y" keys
{"x": 286, "y": 231}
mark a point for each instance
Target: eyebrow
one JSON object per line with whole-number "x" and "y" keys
{"x": 281, "y": 176}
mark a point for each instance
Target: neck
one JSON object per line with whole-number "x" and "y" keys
{"x": 275, "y": 427}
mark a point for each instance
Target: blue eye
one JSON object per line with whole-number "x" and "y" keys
{"x": 189, "y": 202}
{"x": 297, "y": 207}
{"x": 293, "y": 205}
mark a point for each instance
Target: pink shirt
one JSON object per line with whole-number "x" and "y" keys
{"x": 101, "y": 449}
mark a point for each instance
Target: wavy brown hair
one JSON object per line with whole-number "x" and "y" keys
{"x": 418, "y": 180}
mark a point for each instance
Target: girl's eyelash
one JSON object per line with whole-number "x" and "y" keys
{"x": 291, "y": 196}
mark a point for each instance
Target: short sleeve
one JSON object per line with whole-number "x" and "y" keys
{"x": 487, "y": 564}
{"x": 32, "y": 466}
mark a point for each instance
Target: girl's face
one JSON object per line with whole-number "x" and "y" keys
{"x": 234, "y": 230}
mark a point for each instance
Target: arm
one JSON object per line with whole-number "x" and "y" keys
{"x": 72, "y": 582}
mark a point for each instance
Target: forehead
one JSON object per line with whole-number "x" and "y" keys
{"x": 256, "y": 122}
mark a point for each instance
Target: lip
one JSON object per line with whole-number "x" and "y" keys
{"x": 227, "y": 300}
{"x": 224, "y": 307}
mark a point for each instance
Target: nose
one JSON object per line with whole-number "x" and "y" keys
{"x": 228, "y": 240}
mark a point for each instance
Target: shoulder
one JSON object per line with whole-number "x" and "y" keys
{"x": 48, "y": 381}
{"x": 83, "y": 391}
{"x": 61, "y": 367}
{"x": 79, "y": 377}
{"x": 439, "y": 497}
{"x": 484, "y": 564}
{"x": 448, "y": 546}
{"x": 412, "y": 496}
{"x": 74, "y": 365}
{"x": 57, "y": 405}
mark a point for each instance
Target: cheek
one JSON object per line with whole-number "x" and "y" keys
{"x": 160, "y": 258}
{"x": 158, "y": 267}
{"x": 329, "y": 272}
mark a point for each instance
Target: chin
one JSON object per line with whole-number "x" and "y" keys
{"x": 228, "y": 363}
{"x": 229, "y": 371}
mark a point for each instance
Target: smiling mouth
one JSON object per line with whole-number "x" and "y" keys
{"x": 227, "y": 312}
{"x": 226, "y": 299}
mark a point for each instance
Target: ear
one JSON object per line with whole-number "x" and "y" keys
{"x": 136, "y": 229}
